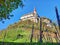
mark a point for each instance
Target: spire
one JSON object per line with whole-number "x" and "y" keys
{"x": 35, "y": 10}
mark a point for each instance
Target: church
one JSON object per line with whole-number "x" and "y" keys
{"x": 31, "y": 16}
{"x": 35, "y": 18}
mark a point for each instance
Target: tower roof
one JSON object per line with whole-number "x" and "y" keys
{"x": 34, "y": 10}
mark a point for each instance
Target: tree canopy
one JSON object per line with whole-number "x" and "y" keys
{"x": 7, "y": 6}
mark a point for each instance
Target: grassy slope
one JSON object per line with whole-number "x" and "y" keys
{"x": 13, "y": 30}
{"x": 23, "y": 28}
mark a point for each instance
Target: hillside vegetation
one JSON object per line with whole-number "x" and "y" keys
{"x": 21, "y": 32}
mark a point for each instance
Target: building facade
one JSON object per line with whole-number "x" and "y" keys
{"x": 31, "y": 16}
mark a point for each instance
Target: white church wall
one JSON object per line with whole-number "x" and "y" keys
{"x": 32, "y": 16}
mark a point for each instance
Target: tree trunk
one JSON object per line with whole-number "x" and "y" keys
{"x": 40, "y": 30}
{"x": 32, "y": 33}
{"x": 58, "y": 18}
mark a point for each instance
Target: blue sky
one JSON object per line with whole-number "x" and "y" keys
{"x": 43, "y": 7}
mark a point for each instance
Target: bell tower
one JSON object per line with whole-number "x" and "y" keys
{"x": 34, "y": 10}
{"x": 35, "y": 15}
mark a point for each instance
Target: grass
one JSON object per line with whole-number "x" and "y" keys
{"x": 12, "y": 43}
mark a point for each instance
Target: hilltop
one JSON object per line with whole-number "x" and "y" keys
{"x": 21, "y": 32}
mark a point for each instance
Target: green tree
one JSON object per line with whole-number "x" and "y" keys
{"x": 7, "y": 6}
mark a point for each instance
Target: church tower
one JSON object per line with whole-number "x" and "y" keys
{"x": 34, "y": 10}
{"x": 35, "y": 15}
{"x": 31, "y": 16}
